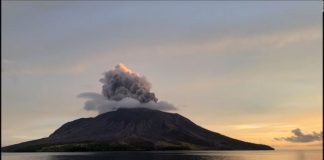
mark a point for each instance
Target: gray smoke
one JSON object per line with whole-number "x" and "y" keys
{"x": 300, "y": 137}
{"x": 123, "y": 88}
{"x": 122, "y": 82}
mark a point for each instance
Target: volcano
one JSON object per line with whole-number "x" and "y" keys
{"x": 133, "y": 129}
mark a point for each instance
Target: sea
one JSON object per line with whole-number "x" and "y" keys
{"x": 170, "y": 155}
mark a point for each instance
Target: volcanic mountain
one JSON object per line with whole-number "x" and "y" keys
{"x": 133, "y": 129}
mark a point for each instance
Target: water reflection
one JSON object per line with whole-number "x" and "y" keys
{"x": 142, "y": 156}
{"x": 300, "y": 155}
{"x": 171, "y": 155}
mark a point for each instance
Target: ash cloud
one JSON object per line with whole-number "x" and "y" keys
{"x": 123, "y": 88}
{"x": 300, "y": 137}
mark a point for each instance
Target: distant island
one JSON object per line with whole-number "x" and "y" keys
{"x": 133, "y": 129}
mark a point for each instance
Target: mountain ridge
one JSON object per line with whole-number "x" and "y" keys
{"x": 134, "y": 129}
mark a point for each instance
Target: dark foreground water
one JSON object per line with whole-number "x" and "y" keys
{"x": 171, "y": 155}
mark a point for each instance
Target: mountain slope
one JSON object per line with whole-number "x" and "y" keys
{"x": 134, "y": 129}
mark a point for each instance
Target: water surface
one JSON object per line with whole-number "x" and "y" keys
{"x": 171, "y": 155}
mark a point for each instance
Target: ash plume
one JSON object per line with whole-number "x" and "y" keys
{"x": 122, "y": 82}
{"x": 123, "y": 88}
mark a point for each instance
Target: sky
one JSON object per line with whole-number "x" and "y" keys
{"x": 249, "y": 70}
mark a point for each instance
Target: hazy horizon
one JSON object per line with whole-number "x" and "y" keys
{"x": 249, "y": 70}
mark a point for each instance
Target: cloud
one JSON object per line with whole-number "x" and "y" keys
{"x": 245, "y": 42}
{"x": 300, "y": 137}
{"x": 97, "y": 102}
{"x": 16, "y": 68}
